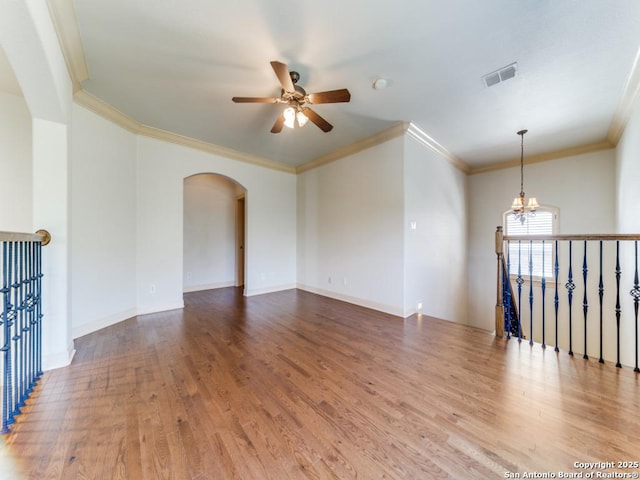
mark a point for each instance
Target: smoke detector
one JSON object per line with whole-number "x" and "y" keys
{"x": 501, "y": 75}
{"x": 380, "y": 84}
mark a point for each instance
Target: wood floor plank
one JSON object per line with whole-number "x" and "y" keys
{"x": 292, "y": 385}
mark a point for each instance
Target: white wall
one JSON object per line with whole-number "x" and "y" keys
{"x": 351, "y": 228}
{"x": 16, "y": 168}
{"x": 435, "y": 255}
{"x": 271, "y": 222}
{"x": 581, "y": 186}
{"x": 51, "y": 200}
{"x": 103, "y": 221}
{"x": 627, "y": 216}
{"x": 209, "y": 232}
{"x": 628, "y": 176}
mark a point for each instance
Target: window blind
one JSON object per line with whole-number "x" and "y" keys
{"x": 541, "y": 254}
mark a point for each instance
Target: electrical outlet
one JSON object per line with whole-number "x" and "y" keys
{"x": 152, "y": 288}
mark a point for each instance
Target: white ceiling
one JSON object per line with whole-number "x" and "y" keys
{"x": 175, "y": 66}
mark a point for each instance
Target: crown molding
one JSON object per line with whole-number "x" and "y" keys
{"x": 625, "y": 106}
{"x": 425, "y": 140}
{"x": 543, "y": 157}
{"x": 400, "y": 129}
{"x": 65, "y": 23}
{"x": 177, "y": 139}
{"x": 102, "y": 108}
{"x": 394, "y": 131}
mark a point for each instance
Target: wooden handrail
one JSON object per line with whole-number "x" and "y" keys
{"x": 587, "y": 236}
{"x": 42, "y": 236}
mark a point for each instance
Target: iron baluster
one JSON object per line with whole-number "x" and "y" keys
{"x": 585, "y": 303}
{"x": 23, "y": 321}
{"x": 15, "y": 331}
{"x": 543, "y": 288}
{"x": 7, "y": 253}
{"x": 601, "y": 295}
{"x": 519, "y": 281}
{"x": 39, "y": 314}
{"x": 31, "y": 323}
{"x": 507, "y": 286}
{"x": 556, "y": 298}
{"x": 635, "y": 293}
{"x": 618, "y": 310}
{"x": 570, "y": 286}
{"x": 21, "y": 332}
{"x": 530, "y": 292}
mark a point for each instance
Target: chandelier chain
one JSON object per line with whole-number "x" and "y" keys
{"x": 521, "y": 133}
{"x": 521, "y": 209}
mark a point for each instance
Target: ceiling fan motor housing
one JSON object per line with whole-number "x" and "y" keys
{"x": 298, "y": 94}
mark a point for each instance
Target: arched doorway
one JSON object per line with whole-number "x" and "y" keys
{"x": 213, "y": 232}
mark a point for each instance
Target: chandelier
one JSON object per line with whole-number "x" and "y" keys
{"x": 521, "y": 209}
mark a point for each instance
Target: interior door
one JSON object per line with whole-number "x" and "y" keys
{"x": 240, "y": 234}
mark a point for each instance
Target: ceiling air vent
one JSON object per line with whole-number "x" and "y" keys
{"x": 505, "y": 73}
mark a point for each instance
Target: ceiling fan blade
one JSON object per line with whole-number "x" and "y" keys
{"x": 282, "y": 72}
{"x": 332, "y": 96}
{"x": 255, "y": 100}
{"x": 318, "y": 120}
{"x": 277, "y": 126}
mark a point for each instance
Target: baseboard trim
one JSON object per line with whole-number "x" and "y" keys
{"x": 160, "y": 308}
{"x": 262, "y": 291}
{"x": 87, "y": 328}
{"x": 380, "y": 307}
{"x": 57, "y": 360}
{"x": 209, "y": 286}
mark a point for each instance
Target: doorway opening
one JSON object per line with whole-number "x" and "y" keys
{"x": 214, "y": 230}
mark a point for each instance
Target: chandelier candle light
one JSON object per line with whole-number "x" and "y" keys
{"x": 520, "y": 212}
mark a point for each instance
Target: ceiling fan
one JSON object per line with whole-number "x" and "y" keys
{"x": 298, "y": 112}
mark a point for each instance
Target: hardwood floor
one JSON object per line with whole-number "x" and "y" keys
{"x": 292, "y": 385}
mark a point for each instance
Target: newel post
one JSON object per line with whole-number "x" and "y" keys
{"x": 499, "y": 285}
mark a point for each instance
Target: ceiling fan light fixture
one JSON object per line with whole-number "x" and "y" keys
{"x": 293, "y": 116}
{"x": 302, "y": 118}
{"x": 289, "y": 117}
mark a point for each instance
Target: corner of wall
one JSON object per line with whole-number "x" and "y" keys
{"x": 58, "y": 360}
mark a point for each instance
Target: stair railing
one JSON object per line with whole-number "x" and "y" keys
{"x": 595, "y": 284}
{"x": 20, "y": 318}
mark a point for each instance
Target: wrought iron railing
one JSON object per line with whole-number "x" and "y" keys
{"x": 601, "y": 271}
{"x": 20, "y": 319}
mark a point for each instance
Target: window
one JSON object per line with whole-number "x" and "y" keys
{"x": 544, "y": 222}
